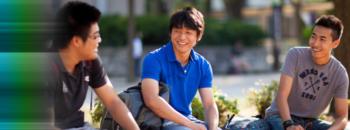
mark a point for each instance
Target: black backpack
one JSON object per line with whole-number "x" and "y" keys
{"x": 145, "y": 118}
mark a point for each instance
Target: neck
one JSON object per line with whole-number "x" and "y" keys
{"x": 69, "y": 60}
{"x": 182, "y": 58}
{"x": 322, "y": 61}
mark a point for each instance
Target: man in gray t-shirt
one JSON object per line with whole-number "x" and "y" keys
{"x": 310, "y": 78}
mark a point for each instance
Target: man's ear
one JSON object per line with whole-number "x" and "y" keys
{"x": 336, "y": 43}
{"x": 76, "y": 41}
{"x": 199, "y": 37}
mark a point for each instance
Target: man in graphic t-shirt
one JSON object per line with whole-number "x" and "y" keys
{"x": 310, "y": 78}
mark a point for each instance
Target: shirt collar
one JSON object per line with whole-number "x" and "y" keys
{"x": 58, "y": 61}
{"x": 171, "y": 54}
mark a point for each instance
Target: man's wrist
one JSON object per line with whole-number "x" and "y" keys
{"x": 288, "y": 123}
{"x": 188, "y": 123}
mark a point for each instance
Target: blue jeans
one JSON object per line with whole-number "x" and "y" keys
{"x": 275, "y": 123}
{"x": 169, "y": 125}
{"x": 86, "y": 126}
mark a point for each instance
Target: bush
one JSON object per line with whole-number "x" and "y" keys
{"x": 155, "y": 31}
{"x": 113, "y": 30}
{"x": 225, "y": 107}
{"x": 262, "y": 98}
{"x": 307, "y": 31}
{"x": 97, "y": 113}
{"x": 236, "y": 31}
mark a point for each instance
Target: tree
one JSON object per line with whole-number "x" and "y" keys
{"x": 234, "y": 8}
{"x": 157, "y": 7}
{"x": 131, "y": 33}
{"x": 342, "y": 51}
{"x": 297, "y": 5}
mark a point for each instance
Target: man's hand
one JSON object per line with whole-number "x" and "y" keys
{"x": 295, "y": 127}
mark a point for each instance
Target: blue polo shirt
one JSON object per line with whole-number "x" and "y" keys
{"x": 183, "y": 82}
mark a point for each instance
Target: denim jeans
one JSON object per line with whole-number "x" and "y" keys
{"x": 86, "y": 126}
{"x": 275, "y": 123}
{"x": 169, "y": 125}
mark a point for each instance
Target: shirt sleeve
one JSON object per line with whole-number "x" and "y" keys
{"x": 97, "y": 74}
{"x": 289, "y": 66}
{"x": 151, "y": 67}
{"x": 207, "y": 75}
{"x": 343, "y": 85}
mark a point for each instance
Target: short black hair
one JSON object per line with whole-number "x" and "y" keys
{"x": 73, "y": 19}
{"x": 188, "y": 17}
{"x": 333, "y": 23}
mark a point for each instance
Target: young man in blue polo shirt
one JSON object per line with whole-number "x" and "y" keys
{"x": 184, "y": 71}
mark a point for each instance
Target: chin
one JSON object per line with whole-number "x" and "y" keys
{"x": 92, "y": 57}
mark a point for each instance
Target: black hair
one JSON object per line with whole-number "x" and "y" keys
{"x": 333, "y": 23}
{"x": 73, "y": 19}
{"x": 188, "y": 17}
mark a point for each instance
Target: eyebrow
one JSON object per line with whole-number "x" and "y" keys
{"x": 319, "y": 35}
{"x": 97, "y": 32}
{"x": 323, "y": 36}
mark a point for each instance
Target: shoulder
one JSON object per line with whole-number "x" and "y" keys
{"x": 338, "y": 66}
{"x": 299, "y": 50}
{"x": 157, "y": 52}
{"x": 201, "y": 59}
{"x": 155, "y": 56}
{"x": 299, "y": 54}
{"x": 93, "y": 63}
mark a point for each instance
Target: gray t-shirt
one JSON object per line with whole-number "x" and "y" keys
{"x": 313, "y": 85}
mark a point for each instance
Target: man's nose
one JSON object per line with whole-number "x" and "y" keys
{"x": 182, "y": 36}
{"x": 314, "y": 43}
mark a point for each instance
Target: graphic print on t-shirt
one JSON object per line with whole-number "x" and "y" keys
{"x": 313, "y": 81}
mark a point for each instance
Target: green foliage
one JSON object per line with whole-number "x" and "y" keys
{"x": 98, "y": 112}
{"x": 113, "y": 30}
{"x": 262, "y": 98}
{"x": 155, "y": 30}
{"x": 237, "y": 31}
{"x": 307, "y": 31}
{"x": 225, "y": 107}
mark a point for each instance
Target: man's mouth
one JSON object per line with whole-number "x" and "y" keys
{"x": 314, "y": 50}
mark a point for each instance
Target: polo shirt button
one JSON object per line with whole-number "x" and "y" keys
{"x": 185, "y": 71}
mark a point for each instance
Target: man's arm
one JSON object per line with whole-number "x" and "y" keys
{"x": 150, "y": 92}
{"x": 116, "y": 107}
{"x": 341, "y": 111}
{"x": 282, "y": 99}
{"x": 211, "y": 110}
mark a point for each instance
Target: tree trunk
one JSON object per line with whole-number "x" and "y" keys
{"x": 299, "y": 23}
{"x": 207, "y": 8}
{"x": 157, "y": 7}
{"x": 234, "y": 7}
{"x": 341, "y": 8}
{"x": 131, "y": 33}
